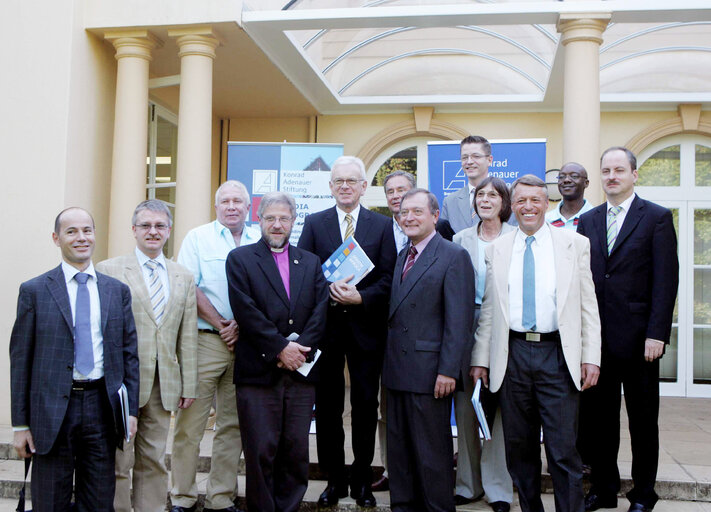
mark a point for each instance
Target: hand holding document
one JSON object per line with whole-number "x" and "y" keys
{"x": 305, "y": 368}
{"x": 479, "y": 410}
{"x": 123, "y": 399}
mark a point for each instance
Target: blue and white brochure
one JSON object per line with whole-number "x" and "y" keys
{"x": 348, "y": 260}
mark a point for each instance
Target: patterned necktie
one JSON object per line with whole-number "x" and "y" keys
{"x": 410, "y": 261}
{"x": 350, "y": 231}
{"x": 528, "y": 316}
{"x": 83, "y": 347}
{"x": 612, "y": 227}
{"x": 155, "y": 290}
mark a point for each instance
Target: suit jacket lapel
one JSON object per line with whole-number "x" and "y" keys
{"x": 333, "y": 228}
{"x": 631, "y": 220}
{"x": 58, "y": 289}
{"x": 266, "y": 262}
{"x": 395, "y": 291}
{"x": 139, "y": 292}
{"x": 502, "y": 257}
{"x": 362, "y": 231}
{"x": 296, "y": 277}
{"x": 600, "y": 225}
{"x": 173, "y": 278}
{"x": 425, "y": 261}
{"x": 563, "y": 259}
{"x": 465, "y": 207}
{"x": 104, "y": 299}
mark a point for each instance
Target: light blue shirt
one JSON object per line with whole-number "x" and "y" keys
{"x": 204, "y": 252}
{"x": 161, "y": 269}
{"x": 401, "y": 239}
{"x": 554, "y": 217}
{"x": 480, "y": 270}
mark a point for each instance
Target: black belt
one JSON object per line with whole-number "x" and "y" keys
{"x": 535, "y": 336}
{"x": 209, "y": 331}
{"x": 86, "y": 385}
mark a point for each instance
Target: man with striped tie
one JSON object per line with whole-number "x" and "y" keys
{"x": 165, "y": 312}
{"x": 636, "y": 272}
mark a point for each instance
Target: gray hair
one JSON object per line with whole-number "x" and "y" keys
{"x": 431, "y": 198}
{"x": 348, "y": 160}
{"x": 276, "y": 197}
{"x": 408, "y": 176}
{"x": 532, "y": 181}
{"x": 154, "y": 205}
{"x": 231, "y": 183}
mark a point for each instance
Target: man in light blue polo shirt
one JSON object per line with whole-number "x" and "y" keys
{"x": 204, "y": 252}
{"x": 572, "y": 182}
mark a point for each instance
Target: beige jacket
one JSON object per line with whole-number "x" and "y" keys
{"x": 578, "y": 318}
{"x": 173, "y": 342}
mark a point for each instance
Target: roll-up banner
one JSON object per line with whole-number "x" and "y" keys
{"x": 302, "y": 170}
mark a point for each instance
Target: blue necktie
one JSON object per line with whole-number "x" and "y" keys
{"x": 83, "y": 347}
{"x": 529, "y": 287}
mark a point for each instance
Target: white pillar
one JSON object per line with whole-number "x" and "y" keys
{"x": 581, "y": 35}
{"x": 128, "y": 164}
{"x": 193, "y": 189}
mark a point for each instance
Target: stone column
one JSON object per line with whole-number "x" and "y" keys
{"x": 193, "y": 189}
{"x": 128, "y": 164}
{"x": 581, "y": 36}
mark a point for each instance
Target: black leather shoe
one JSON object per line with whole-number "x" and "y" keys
{"x": 594, "y": 501}
{"x": 363, "y": 496}
{"x": 500, "y": 506}
{"x": 462, "y": 500}
{"x": 638, "y": 507}
{"x": 228, "y": 509}
{"x": 176, "y": 508}
{"x": 330, "y": 496}
{"x": 381, "y": 484}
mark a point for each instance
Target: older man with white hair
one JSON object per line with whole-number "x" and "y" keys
{"x": 204, "y": 252}
{"x": 356, "y": 329}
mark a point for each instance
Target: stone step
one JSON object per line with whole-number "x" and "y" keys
{"x": 685, "y": 489}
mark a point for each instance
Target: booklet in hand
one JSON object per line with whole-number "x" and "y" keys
{"x": 348, "y": 260}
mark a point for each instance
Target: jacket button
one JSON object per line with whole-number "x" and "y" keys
{"x": 404, "y": 329}
{"x": 607, "y": 276}
{"x": 264, "y": 355}
{"x": 69, "y": 367}
{"x": 404, "y": 351}
{"x": 290, "y": 321}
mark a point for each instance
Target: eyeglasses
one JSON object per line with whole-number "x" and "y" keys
{"x": 147, "y": 227}
{"x": 351, "y": 182}
{"x": 271, "y": 219}
{"x": 473, "y": 156}
{"x": 573, "y": 176}
{"x": 490, "y": 195}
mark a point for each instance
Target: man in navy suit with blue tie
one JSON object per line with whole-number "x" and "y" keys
{"x": 636, "y": 273}
{"x": 72, "y": 347}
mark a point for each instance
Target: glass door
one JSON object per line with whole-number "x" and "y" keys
{"x": 699, "y": 270}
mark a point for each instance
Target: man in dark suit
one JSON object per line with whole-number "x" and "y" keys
{"x": 72, "y": 347}
{"x": 427, "y": 354}
{"x": 355, "y": 332}
{"x": 636, "y": 272}
{"x": 276, "y": 290}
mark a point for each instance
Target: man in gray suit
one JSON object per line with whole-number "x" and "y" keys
{"x": 72, "y": 347}
{"x": 458, "y": 208}
{"x": 165, "y": 312}
{"x": 426, "y": 356}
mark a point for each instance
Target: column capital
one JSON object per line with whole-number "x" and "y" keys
{"x": 582, "y": 27}
{"x": 133, "y": 43}
{"x": 196, "y": 40}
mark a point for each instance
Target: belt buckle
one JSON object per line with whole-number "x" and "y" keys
{"x": 533, "y": 336}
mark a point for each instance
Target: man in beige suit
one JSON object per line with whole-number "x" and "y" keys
{"x": 538, "y": 342}
{"x": 165, "y": 312}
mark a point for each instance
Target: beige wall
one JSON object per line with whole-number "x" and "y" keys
{"x": 55, "y": 142}
{"x": 273, "y": 129}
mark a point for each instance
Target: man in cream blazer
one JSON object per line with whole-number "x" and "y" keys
{"x": 538, "y": 343}
{"x": 165, "y": 311}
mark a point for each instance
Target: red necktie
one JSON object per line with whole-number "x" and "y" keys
{"x": 410, "y": 261}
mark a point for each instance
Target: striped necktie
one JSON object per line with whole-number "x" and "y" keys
{"x": 350, "y": 231}
{"x": 612, "y": 214}
{"x": 155, "y": 289}
{"x": 410, "y": 261}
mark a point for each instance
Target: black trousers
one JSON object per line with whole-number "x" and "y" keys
{"x": 274, "y": 422}
{"x": 364, "y": 369}
{"x": 85, "y": 450}
{"x": 420, "y": 452}
{"x": 538, "y": 391}
{"x": 640, "y": 381}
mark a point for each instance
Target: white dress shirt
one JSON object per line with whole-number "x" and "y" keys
{"x": 546, "y": 304}
{"x": 625, "y": 205}
{"x": 401, "y": 239}
{"x": 97, "y": 338}
{"x": 161, "y": 269}
{"x": 342, "y": 220}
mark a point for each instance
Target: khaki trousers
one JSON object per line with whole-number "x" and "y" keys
{"x": 145, "y": 453}
{"x": 215, "y": 374}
